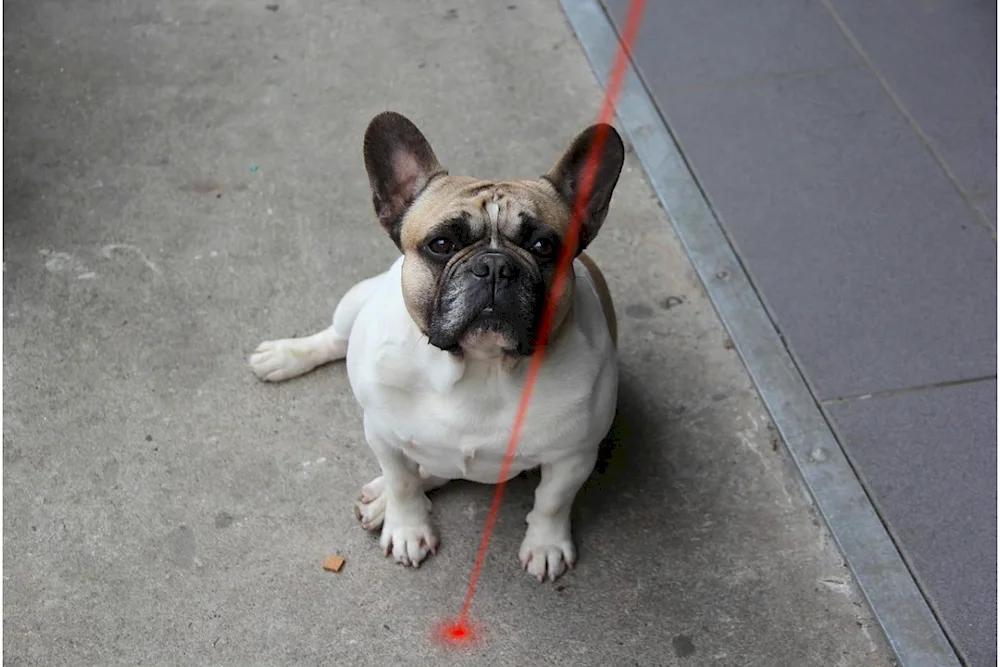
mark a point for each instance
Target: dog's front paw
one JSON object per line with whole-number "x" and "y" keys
{"x": 407, "y": 533}
{"x": 547, "y": 553}
{"x": 409, "y": 542}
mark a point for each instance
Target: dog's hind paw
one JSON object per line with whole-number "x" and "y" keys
{"x": 277, "y": 360}
{"x": 370, "y": 508}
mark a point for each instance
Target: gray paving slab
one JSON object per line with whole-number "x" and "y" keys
{"x": 875, "y": 269}
{"x": 929, "y": 460}
{"x": 910, "y": 626}
{"x": 939, "y": 59}
{"x": 716, "y": 41}
{"x": 184, "y": 180}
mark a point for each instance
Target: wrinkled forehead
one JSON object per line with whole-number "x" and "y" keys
{"x": 486, "y": 207}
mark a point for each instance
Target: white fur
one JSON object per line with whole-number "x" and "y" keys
{"x": 430, "y": 417}
{"x": 493, "y": 211}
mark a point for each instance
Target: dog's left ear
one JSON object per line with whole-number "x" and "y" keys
{"x": 400, "y": 163}
{"x": 567, "y": 175}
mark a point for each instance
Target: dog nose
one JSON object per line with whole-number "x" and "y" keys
{"x": 493, "y": 265}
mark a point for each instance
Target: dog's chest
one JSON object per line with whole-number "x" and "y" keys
{"x": 464, "y": 432}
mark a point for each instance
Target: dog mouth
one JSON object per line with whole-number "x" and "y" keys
{"x": 489, "y": 335}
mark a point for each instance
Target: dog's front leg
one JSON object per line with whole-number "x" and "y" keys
{"x": 547, "y": 549}
{"x": 407, "y": 532}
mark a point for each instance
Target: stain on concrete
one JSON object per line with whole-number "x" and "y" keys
{"x": 110, "y": 472}
{"x": 181, "y": 546}
{"x": 11, "y": 454}
{"x": 683, "y": 646}
{"x": 639, "y": 311}
{"x": 671, "y": 302}
{"x": 201, "y": 186}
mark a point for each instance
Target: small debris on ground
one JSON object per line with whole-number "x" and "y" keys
{"x": 333, "y": 563}
{"x": 271, "y": 6}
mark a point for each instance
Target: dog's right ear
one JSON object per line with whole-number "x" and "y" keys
{"x": 400, "y": 163}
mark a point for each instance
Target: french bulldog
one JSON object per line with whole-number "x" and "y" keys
{"x": 438, "y": 346}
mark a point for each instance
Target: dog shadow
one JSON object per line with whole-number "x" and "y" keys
{"x": 626, "y": 460}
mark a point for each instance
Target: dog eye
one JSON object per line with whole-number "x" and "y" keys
{"x": 441, "y": 246}
{"x": 543, "y": 248}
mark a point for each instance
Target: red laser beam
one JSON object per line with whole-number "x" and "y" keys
{"x": 459, "y": 631}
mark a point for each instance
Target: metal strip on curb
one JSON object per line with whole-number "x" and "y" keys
{"x": 910, "y": 626}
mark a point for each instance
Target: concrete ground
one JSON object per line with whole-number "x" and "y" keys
{"x": 183, "y": 180}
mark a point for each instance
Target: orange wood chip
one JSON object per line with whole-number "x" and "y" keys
{"x": 333, "y": 563}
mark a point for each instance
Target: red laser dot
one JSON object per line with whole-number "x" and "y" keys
{"x": 455, "y": 632}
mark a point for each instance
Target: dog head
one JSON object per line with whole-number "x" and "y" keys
{"x": 480, "y": 256}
